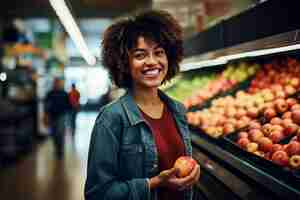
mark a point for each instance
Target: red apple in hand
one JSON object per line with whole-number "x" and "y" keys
{"x": 185, "y": 164}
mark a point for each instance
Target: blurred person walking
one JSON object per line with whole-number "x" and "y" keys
{"x": 56, "y": 106}
{"x": 74, "y": 97}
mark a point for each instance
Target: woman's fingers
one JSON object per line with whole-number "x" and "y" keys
{"x": 168, "y": 173}
{"x": 191, "y": 179}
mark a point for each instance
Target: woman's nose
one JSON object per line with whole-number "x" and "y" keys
{"x": 151, "y": 60}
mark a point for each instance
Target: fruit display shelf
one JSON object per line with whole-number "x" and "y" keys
{"x": 280, "y": 182}
{"x": 267, "y": 137}
{"x": 230, "y": 111}
{"x": 238, "y": 87}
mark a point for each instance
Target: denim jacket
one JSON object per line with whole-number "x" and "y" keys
{"x": 122, "y": 152}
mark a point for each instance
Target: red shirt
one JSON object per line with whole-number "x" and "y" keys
{"x": 169, "y": 146}
{"x": 74, "y": 97}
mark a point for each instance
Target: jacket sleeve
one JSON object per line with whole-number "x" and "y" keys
{"x": 103, "y": 180}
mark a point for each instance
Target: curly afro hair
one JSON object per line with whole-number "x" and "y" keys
{"x": 155, "y": 25}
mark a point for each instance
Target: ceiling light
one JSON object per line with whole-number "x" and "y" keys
{"x": 71, "y": 27}
{"x": 3, "y": 76}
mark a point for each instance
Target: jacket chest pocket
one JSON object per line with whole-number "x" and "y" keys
{"x": 131, "y": 161}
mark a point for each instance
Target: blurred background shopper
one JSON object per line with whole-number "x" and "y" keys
{"x": 137, "y": 138}
{"x": 74, "y": 97}
{"x": 56, "y": 106}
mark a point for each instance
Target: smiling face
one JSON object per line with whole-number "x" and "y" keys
{"x": 148, "y": 64}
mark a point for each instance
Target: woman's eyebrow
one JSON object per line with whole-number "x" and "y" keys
{"x": 141, "y": 49}
{"x": 138, "y": 49}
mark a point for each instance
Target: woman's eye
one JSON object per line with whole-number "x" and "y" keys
{"x": 160, "y": 53}
{"x": 139, "y": 55}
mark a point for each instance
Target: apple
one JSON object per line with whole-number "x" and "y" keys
{"x": 276, "y": 136}
{"x": 276, "y": 147}
{"x": 294, "y": 82}
{"x": 240, "y": 124}
{"x": 280, "y": 94}
{"x": 254, "y": 125}
{"x": 294, "y": 161}
{"x": 289, "y": 90}
{"x": 228, "y": 128}
{"x": 240, "y": 113}
{"x": 268, "y": 105}
{"x": 252, "y": 112}
{"x": 298, "y": 135}
{"x": 267, "y": 156}
{"x": 290, "y": 129}
{"x": 267, "y": 129}
{"x": 280, "y": 158}
{"x": 295, "y": 107}
{"x": 270, "y": 113}
{"x": 243, "y": 142}
{"x": 296, "y": 116}
{"x": 255, "y": 134}
{"x": 265, "y": 144}
{"x": 277, "y": 128}
{"x": 293, "y": 148}
{"x": 185, "y": 164}
{"x": 287, "y": 115}
{"x": 251, "y": 147}
{"x": 267, "y": 95}
{"x": 280, "y": 105}
{"x": 276, "y": 121}
{"x": 221, "y": 120}
{"x": 230, "y": 112}
{"x": 243, "y": 134}
{"x": 291, "y": 102}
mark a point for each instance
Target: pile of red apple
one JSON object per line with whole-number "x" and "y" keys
{"x": 214, "y": 87}
{"x": 281, "y": 75}
{"x": 230, "y": 77}
{"x": 276, "y": 80}
{"x": 283, "y": 120}
{"x": 229, "y": 114}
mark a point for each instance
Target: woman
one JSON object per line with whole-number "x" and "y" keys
{"x": 137, "y": 138}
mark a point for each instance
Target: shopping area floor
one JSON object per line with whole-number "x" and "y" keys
{"x": 40, "y": 176}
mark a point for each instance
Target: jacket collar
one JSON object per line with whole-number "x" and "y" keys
{"x": 133, "y": 113}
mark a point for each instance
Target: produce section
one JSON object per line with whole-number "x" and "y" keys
{"x": 275, "y": 80}
{"x": 255, "y": 124}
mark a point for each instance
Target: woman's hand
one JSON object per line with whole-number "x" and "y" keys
{"x": 168, "y": 178}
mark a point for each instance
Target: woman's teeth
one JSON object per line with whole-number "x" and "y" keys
{"x": 152, "y": 72}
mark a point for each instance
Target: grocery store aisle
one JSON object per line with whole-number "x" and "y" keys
{"x": 40, "y": 176}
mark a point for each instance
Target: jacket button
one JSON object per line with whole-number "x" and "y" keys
{"x": 155, "y": 166}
